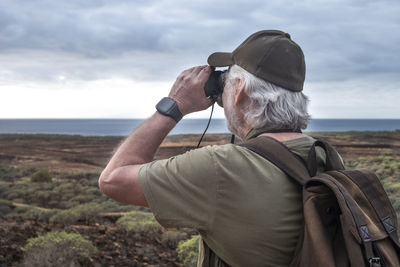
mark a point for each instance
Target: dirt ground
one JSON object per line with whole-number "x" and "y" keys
{"x": 116, "y": 246}
{"x": 85, "y": 154}
{"x": 79, "y": 153}
{"x": 75, "y": 154}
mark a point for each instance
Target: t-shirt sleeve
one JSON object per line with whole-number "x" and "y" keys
{"x": 181, "y": 191}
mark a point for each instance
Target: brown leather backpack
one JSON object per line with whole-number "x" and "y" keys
{"x": 348, "y": 218}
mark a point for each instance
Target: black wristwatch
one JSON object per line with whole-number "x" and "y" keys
{"x": 168, "y": 107}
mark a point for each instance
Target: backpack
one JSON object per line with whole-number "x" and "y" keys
{"x": 348, "y": 218}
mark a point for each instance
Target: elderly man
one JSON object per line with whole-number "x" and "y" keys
{"x": 248, "y": 212}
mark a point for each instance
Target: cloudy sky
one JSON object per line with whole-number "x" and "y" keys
{"x": 117, "y": 58}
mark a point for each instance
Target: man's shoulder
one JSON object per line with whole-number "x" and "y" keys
{"x": 228, "y": 155}
{"x": 229, "y": 151}
{"x": 303, "y": 142}
{"x": 216, "y": 150}
{"x": 236, "y": 151}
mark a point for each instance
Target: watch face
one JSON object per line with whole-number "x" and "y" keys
{"x": 168, "y": 107}
{"x": 170, "y": 103}
{"x": 165, "y": 105}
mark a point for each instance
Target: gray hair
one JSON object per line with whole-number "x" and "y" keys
{"x": 271, "y": 106}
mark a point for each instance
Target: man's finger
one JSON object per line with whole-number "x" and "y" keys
{"x": 206, "y": 71}
{"x": 197, "y": 70}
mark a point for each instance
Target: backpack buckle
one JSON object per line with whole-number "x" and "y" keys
{"x": 375, "y": 262}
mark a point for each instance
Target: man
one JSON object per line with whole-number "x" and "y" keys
{"x": 248, "y": 212}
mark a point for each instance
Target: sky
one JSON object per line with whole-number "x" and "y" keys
{"x": 118, "y": 58}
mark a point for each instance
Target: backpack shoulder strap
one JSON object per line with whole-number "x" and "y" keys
{"x": 279, "y": 155}
{"x": 348, "y": 208}
{"x": 333, "y": 161}
{"x": 370, "y": 185}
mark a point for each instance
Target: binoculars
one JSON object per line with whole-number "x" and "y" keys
{"x": 215, "y": 86}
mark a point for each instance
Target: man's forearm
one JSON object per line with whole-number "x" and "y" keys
{"x": 141, "y": 146}
{"x": 120, "y": 179}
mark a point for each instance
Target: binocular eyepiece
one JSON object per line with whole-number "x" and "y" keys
{"x": 214, "y": 86}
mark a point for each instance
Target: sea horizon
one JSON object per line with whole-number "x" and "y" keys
{"x": 122, "y": 127}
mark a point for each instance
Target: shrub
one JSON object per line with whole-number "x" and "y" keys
{"x": 84, "y": 182}
{"x": 40, "y": 214}
{"x": 172, "y": 238}
{"x": 86, "y": 212}
{"x": 82, "y": 199}
{"x": 66, "y": 187}
{"x": 58, "y": 249}
{"x": 42, "y": 197}
{"x": 18, "y": 211}
{"x": 5, "y": 207}
{"x": 111, "y": 206}
{"x": 28, "y": 171}
{"x": 69, "y": 216}
{"x": 138, "y": 221}
{"x": 42, "y": 175}
{"x": 127, "y": 208}
{"x": 81, "y": 175}
{"x": 4, "y": 189}
{"x": 58, "y": 194}
{"x": 89, "y": 211}
{"x": 31, "y": 213}
{"x": 188, "y": 251}
{"x": 8, "y": 173}
{"x": 95, "y": 191}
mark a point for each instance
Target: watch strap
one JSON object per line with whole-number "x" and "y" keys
{"x": 168, "y": 107}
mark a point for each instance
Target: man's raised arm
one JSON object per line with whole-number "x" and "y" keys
{"x": 119, "y": 180}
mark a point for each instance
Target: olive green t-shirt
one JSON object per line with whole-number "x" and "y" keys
{"x": 245, "y": 208}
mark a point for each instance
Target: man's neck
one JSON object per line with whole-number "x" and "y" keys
{"x": 281, "y": 137}
{"x": 249, "y": 132}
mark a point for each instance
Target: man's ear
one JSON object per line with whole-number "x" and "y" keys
{"x": 240, "y": 96}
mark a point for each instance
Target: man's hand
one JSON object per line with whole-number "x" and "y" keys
{"x": 188, "y": 90}
{"x": 120, "y": 179}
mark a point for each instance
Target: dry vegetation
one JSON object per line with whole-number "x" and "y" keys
{"x": 48, "y": 184}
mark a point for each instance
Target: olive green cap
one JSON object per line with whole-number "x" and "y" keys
{"x": 270, "y": 55}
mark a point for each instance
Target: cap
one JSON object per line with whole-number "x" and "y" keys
{"x": 270, "y": 55}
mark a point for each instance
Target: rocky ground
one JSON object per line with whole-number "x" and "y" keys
{"x": 75, "y": 154}
{"x": 79, "y": 153}
{"x": 116, "y": 246}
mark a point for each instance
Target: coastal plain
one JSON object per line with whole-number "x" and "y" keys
{"x": 90, "y": 153}
{"x": 78, "y": 160}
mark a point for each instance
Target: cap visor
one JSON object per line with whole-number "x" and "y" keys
{"x": 220, "y": 59}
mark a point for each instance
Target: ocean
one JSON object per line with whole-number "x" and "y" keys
{"x": 122, "y": 127}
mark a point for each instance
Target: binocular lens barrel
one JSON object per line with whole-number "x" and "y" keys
{"x": 215, "y": 85}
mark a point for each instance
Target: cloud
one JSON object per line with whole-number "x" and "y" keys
{"x": 340, "y": 38}
{"x": 47, "y": 66}
{"x": 367, "y": 97}
{"x": 344, "y": 41}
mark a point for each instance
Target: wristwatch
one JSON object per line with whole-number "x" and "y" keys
{"x": 168, "y": 107}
